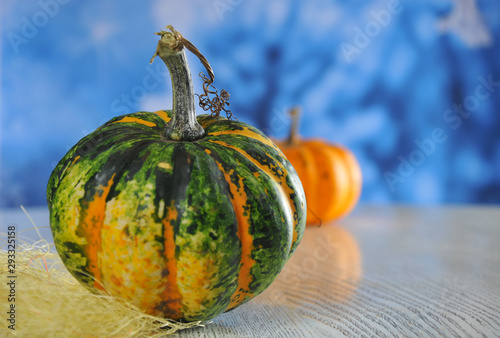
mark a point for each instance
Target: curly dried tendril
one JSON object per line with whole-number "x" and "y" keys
{"x": 219, "y": 102}
{"x": 216, "y": 104}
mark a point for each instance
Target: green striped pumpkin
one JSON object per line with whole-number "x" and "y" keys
{"x": 182, "y": 228}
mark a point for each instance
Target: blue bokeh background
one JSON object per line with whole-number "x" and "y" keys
{"x": 380, "y": 77}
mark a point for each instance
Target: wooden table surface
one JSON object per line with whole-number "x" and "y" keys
{"x": 384, "y": 271}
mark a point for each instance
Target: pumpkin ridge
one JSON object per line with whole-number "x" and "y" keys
{"x": 176, "y": 181}
{"x": 123, "y": 164}
{"x": 354, "y": 177}
{"x": 171, "y": 303}
{"x": 129, "y": 119}
{"x": 343, "y": 190}
{"x": 135, "y": 252}
{"x": 168, "y": 204}
{"x": 99, "y": 189}
{"x": 205, "y": 256}
{"x": 331, "y": 174}
{"x": 217, "y": 267}
{"x": 89, "y": 228}
{"x": 271, "y": 221}
{"x": 282, "y": 184}
{"x": 248, "y": 133}
{"x": 239, "y": 201}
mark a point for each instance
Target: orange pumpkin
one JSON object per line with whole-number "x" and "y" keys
{"x": 330, "y": 175}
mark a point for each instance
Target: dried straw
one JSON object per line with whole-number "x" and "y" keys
{"x": 49, "y": 302}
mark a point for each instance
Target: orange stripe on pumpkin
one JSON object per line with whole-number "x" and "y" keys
{"x": 72, "y": 163}
{"x": 163, "y": 114}
{"x": 91, "y": 226}
{"x": 207, "y": 121}
{"x": 172, "y": 298}
{"x": 247, "y": 133}
{"x": 284, "y": 189}
{"x": 239, "y": 199}
{"x": 136, "y": 120}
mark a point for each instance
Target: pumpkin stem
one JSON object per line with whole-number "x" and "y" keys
{"x": 183, "y": 126}
{"x": 293, "y": 138}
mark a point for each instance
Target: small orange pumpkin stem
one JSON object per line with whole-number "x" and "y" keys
{"x": 293, "y": 138}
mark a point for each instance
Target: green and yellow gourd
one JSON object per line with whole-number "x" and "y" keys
{"x": 185, "y": 217}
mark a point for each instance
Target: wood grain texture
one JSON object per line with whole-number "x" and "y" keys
{"x": 388, "y": 271}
